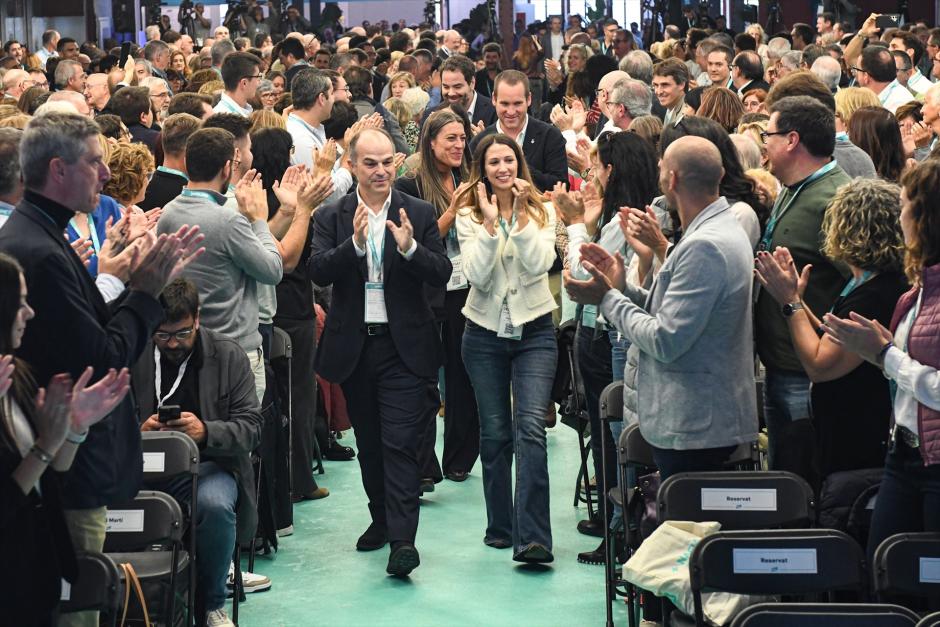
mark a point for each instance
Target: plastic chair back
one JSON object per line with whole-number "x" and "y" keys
{"x": 612, "y": 402}
{"x": 825, "y": 615}
{"x": 98, "y": 586}
{"x": 281, "y": 346}
{"x": 152, "y": 518}
{"x": 168, "y": 454}
{"x": 633, "y": 449}
{"x": 908, "y": 564}
{"x": 738, "y": 500}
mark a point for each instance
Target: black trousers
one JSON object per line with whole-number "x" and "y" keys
{"x": 461, "y": 418}
{"x": 303, "y": 335}
{"x": 592, "y": 350}
{"x": 389, "y": 407}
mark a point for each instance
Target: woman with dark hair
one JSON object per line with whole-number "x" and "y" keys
{"x": 626, "y": 175}
{"x": 735, "y": 186}
{"x": 507, "y": 241}
{"x": 289, "y": 305}
{"x": 875, "y": 130}
{"x": 908, "y": 352}
{"x": 442, "y": 163}
{"x": 38, "y": 429}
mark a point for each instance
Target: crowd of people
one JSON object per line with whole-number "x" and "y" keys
{"x": 420, "y": 213}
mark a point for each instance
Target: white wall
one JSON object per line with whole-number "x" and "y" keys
{"x": 412, "y": 11}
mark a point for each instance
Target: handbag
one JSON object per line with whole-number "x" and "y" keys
{"x": 661, "y": 566}
{"x": 642, "y": 511}
{"x": 132, "y": 581}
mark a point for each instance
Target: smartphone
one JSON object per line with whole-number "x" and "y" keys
{"x": 125, "y": 52}
{"x": 168, "y": 413}
{"x": 888, "y": 20}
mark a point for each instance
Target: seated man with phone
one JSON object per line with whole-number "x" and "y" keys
{"x": 200, "y": 383}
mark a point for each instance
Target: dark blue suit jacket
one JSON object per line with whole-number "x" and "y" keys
{"x": 333, "y": 261}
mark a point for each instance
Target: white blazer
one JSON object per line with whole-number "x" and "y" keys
{"x": 514, "y": 269}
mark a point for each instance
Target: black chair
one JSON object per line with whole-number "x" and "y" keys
{"x": 825, "y": 615}
{"x": 611, "y": 410}
{"x": 931, "y": 620}
{"x": 167, "y": 456}
{"x": 282, "y": 348}
{"x": 568, "y": 391}
{"x": 147, "y": 532}
{"x": 98, "y": 587}
{"x": 908, "y": 564}
{"x": 738, "y": 500}
{"x": 779, "y": 562}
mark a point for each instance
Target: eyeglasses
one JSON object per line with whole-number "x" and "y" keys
{"x": 765, "y": 134}
{"x": 150, "y": 176}
{"x": 181, "y": 336}
{"x": 857, "y": 69}
{"x": 252, "y": 77}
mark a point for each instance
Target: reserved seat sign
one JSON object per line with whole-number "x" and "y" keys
{"x": 125, "y": 520}
{"x": 774, "y": 561}
{"x": 754, "y": 499}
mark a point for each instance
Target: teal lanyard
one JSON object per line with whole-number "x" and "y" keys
{"x": 502, "y": 225}
{"x": 780, "y": 209}
{"x": 852, "y": 285}
{"x": 377, "y": 254}
{"x": 196, "y": 193}
{"x": 163, "y": 168}
{"x": 92, "y": 233}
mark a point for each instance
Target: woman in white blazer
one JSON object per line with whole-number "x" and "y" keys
{"x": 507, "y": 240}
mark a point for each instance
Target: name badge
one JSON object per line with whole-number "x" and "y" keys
{"x": 125, "y": 520}
{"x": 66, "y": 592}
{"x": 375, "y": 313}
{"x": 757, "y": 500}
{"x": 930, "y": 570}
{"x": 774, "y": 561}
{"x": 506, "y": 329}
{"x": 589, "y": 316}
{"x": 457, "y": 279}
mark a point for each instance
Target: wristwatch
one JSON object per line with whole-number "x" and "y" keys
{"x": 791, "y": 308}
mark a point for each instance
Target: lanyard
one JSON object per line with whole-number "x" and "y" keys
{"x": 779, "y": 211}
{"x": 502, "y": 224}
{"x": 163, "y": 168}
{"x": 158, "y": 374}
{"x": 377, "y": 254}
{"x": 92, "y": 233}
{"x": 196, "y": 193}
{"x": 850, "y": 287}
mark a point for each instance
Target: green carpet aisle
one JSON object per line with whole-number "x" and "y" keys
{"x": 319, "y": 578}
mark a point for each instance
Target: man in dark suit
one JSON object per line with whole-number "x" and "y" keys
{"x": 492, "y": 66}
{"x": 747, "y": 73}
{"x": 64, "y": 170}
{"x": 542, "y": 144}
{"x": 378, "y": 248}
{"x": 458, "y": 86}
{"x": 206, "y": 375}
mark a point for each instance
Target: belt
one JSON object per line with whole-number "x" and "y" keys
{"x": 905, "y": 435}
{"x": 376, "y": 329}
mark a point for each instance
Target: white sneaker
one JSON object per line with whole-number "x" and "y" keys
{"x": 218, "y": 618}
{"x": 251, "y": 581}
{"x": 286, "y": 531}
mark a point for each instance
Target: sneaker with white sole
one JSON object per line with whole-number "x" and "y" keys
{"x": 286, "y": 531}
{"x": 252, "y": 582}
{"x": 218, "y": 618}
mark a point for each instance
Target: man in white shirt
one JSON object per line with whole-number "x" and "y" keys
{"x": 312, "y": 97}
{"x": 878, "y": 73}
{"x": 241, "y": 73}
{"x": 50, "y": 39}
{"x": 554, "y": 40}
{"x": 911, "y": 44}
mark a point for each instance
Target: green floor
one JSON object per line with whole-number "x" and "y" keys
{"x": 319, "y": 578}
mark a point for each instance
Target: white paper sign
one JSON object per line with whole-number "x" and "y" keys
{"x": 125, "y": 520}
{"x": 754, "y": 500}
{"x": 775, "y": 561}
{"x": 930, "y": 570}
{"x": 154, "y": 462}
{"x": 66, "y": 591}
{"x": 375, "y": 313}
{"x": 457, "y": 279}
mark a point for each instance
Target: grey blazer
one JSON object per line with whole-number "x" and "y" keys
{"x": 693, "y": 331}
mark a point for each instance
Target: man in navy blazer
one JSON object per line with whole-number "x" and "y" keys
{"x": 378, "y": 248}
{"x": 542, "y": 144}
{"x": 458, "y": 86}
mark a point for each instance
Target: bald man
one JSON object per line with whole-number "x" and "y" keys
{"x": 15, "y": 82}
{"x": 75, "y": 99}
{"x": 603, "y": 93}
{"x": 451, "y": 44}
{"x": 690, "y": 333}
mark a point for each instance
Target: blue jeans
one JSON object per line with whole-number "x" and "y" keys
{"x": 618, "y": 362}
{"x": 786, "y": 399}
{"x": 215, "y": 528}
{"x": 908, "y": 498}
{"x": 512, "y": 382}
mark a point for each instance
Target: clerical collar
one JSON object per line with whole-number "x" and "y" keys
{"x": 58, "y": 213}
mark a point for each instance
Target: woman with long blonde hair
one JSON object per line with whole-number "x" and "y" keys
{"x": 507, "y": 241}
